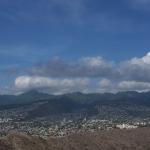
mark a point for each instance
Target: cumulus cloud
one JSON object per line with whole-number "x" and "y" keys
{"x": 85, "y": 67}
{"x": 88, "y": 74}
{"x": 137, "y": 69}
{"x": 104, "y": 85}
{"x": 55, "y": 86}
{"x": 134, "y": 86}
{"x": 108, "y": 86}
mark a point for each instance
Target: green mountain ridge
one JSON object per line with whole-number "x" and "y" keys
{"x": 130, "y": 103}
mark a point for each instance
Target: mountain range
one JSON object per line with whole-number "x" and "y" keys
{"x": 106, "y": 105}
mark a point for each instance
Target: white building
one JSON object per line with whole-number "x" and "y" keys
{"x": 126, "y": 126}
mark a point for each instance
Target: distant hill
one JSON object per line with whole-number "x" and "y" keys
{"x": 33, "y": 95}
{"x": 136, "y": 139}
{"x": 105, "y": 106}
{"x": 30, "y": 96}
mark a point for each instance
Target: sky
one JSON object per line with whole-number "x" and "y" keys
{"x": 63, "y": 46}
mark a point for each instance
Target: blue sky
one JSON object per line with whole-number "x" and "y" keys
{"x": 68, "y": 33}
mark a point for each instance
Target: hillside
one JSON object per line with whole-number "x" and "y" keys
{"x": 30, "y": 96}
{"x": 106, "y": 106}
{"x": 137, "y": 139}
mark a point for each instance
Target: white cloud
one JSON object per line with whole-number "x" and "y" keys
{"x": 141, "y": 61}
{"x": 137, "y": 69}
{"x": 95, "y": 62}
{"x": 89, "y": 74}
{"x": 50, "y": 84}
{"x": 133, "y": 85}
{"x": 104, "y": 83}
{"x": 85, "y": 67}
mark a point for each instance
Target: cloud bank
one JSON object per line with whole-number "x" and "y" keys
{"x": 85, "y": 67}
{"x": 55, "y": 86}
{"x": 89, "y": 74}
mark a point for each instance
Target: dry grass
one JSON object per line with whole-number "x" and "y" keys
{"x": 137, "y": 139}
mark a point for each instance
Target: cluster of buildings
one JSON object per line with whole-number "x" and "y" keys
{"x": 15, "y": 121}
{"x": 64, "y": 127}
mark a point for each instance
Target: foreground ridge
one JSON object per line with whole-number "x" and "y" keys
{"x": 135, "y": 139}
